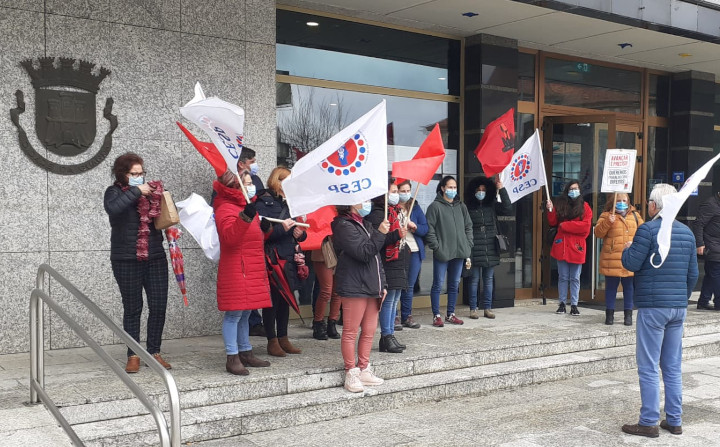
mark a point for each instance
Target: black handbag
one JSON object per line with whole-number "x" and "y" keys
{"x": 503, "y": 244}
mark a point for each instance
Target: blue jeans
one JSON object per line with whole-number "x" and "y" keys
{"x": 659, "y": 339}
{"x": 487, "y": 277}
{"x": 406, "y": 297}
{"x": 255, "y": 318}
{"x": 569, "y": 273}
{"x": 388, "y": 312}
{"x": 453, "y": 268}
{"x": 235, "y": 331}
{"x": 611, "y": 285}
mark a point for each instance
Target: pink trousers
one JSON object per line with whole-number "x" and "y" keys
{"x": 358, "y": 314}
{"x": 325, "y": 278}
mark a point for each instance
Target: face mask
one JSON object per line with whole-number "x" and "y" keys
{"x": 393, "y": 198}
{"x": 480, "y": 195}
{"x": 366, "y": 208}
{"x": 451, "y": 193}
{"x": 573, "y": 193}
{"x": 136, "y": 181}
{"x": 404, "y": 197}
{"x": 251, "y": 190}
{"x": 254, "y": 169}
{"x": 621, "y": 206}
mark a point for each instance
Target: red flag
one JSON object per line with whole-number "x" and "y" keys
{"x": 319, "y": 221}
{"x": 207, "y": 150}
{"x": 426, "y": 161}
{"x": 497, "y": 145}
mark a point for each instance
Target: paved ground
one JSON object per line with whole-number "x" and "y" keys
{"x": 587, "y": 411}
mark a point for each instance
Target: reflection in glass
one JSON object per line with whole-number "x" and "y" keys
{"x": 581, "y": 84}
{"x": 524, "y": 213}
{"x": 659, "y": 91}
{"x": 657, "y": 157}
{"x": 526, "y": 77}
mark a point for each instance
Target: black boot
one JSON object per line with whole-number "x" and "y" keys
{"x": 319, "y": 330}
{"x": 332, "y": 330}
{"x": 402, "y": 346}
{"x": 387, "y": 345}
{"x": 628, "y": 317}
{"x": 609, "y": 316}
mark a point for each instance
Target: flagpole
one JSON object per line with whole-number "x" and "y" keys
{"x": 615, "y": 201}
{"x": 412, "y": 204}
{"x": 386, "y": 204}
{"x": 297, "y": 224}
{"x": 242, "y": 188}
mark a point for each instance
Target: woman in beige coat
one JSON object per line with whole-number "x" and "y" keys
{"x": 616, "y": 226}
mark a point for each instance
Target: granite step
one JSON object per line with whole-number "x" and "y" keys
{"x": 221, "y": 420}
{"x": 211, "y": 386}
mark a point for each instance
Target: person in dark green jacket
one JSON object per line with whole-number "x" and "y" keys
{"x": 481, "y": 199}
{"x": 450, "y": 237}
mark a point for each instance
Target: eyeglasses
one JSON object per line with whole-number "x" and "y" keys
{"x": 137, "y": 174}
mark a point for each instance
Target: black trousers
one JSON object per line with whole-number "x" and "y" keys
{"x": 132, "y": 277}
{"x": 279, "y": 313}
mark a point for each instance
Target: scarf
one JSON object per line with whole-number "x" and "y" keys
{"x": 392, "y": 252}
{"x": 148, "y": 208}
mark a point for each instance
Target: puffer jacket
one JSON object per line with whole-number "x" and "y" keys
{"x": 614, "y": 236}
{"x": 671, "y": 284}
{"x": 242, "y": 281}
{"x": 270, "y": 205}
{"x": 483, "y": 215}
{"x": 450, "y": 232}
{"x": 121, "y": 207}
{"x": 396, "y": 272}
{"x": 569, "y": 244}
{"x": 707, "y": 228}
{"x": 359, "y": 272}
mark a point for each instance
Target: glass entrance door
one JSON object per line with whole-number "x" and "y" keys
{"x": 574, "y": 149}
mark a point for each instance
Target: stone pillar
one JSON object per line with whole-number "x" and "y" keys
{"x": 491, "y": 65}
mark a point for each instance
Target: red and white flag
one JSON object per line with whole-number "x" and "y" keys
{"x": 526, "y": 171}
{"x": 424, "y": 163}
{"x": 497, "y": 144}
{"x": 348, "y": 169}
{"x": 222, "y": 122}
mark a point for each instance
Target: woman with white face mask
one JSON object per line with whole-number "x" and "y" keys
{"x": 360, "y": 283}
{"x": 573, "y": 219}
{"x": 616, "y": 227}
{"x": 417, "y": 228}
{"x": 450, "y": 237}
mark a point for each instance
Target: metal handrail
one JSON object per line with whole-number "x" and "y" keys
{"x": 37, "y": 367}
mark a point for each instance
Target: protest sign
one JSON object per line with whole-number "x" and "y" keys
{"x": 619, "y": 170}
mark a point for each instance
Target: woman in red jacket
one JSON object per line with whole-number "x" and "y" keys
{"x": 242, "y": 283}
{"x": 573, "y": 219}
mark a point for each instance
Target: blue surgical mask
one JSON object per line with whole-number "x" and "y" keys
{"x": 366, "y": 208}
{"x": 451, "y": 193}
{"x": 404, "y": 197}
{"x": 251, "y": 190}
{"x": 574, "y": 193}
{"x": 480, "y": 195}
{"x": 621, "y": 206}
{"x": 254, "y": 168}
{"x": 136, "y": 181}
{"x": 393, "y": 198}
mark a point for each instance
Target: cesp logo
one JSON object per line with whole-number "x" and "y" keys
{"x": 520, "y": 168}
{"x": 348, "y": 158}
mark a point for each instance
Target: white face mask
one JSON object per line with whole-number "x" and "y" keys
{"x": 136, "y": 181}
{"x": 393, "y": 198}
{"x": 251, "y": 190}
{"x": 404, "y": 197}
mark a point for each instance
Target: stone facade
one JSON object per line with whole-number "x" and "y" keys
{"x": 157, "y": 50}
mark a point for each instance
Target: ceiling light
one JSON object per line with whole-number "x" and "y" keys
{"x": 333, "y": 104}
{"x": 470, "y": 14}
{"x": 441, "y": 79}
{"x": 684, "y": 54}
{"x": 312, "y": 24}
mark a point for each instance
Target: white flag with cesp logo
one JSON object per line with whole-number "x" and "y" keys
{"x": 526, "y": 171}
{"x": 348, "y": 169}
{"x": 222, "y": 122}
{"x": 671, "y": 206}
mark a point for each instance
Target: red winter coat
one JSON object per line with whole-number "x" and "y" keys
{"x": 242, "y": 282}
{"x": 569, "y": 242}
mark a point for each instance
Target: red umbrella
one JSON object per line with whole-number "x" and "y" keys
{"x": 173, "y": 234}
{"x": 278, "y": 280}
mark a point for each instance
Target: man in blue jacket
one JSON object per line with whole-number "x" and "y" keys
{"x": 661, "y": 295}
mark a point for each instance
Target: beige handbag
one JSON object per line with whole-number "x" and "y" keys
{"x": 328, "y": 251}
{"x": 168, "y": 213}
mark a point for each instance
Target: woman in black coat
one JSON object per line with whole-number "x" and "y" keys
{"x": 281, "y": 243}
{"x": 136, "y": 252}
{"x": 481, "y": 200}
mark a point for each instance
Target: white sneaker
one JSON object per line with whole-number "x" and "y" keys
{"x": 352, "y": 381}
{"x": 368, "y": 377}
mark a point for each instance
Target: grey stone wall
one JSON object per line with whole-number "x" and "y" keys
{"x": 157, "y": 50}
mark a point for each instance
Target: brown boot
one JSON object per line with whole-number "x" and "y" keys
{"x": 248, "y": 359}
{"x": 288, "y": 347}
{"x": 162, "y": 362}
{"x": 274, "y": 348}
{"x": 233, "y": 365}
{"x": 133, "y": 364}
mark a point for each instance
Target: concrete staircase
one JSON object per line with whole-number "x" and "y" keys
{"x": 523, "y": 346}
